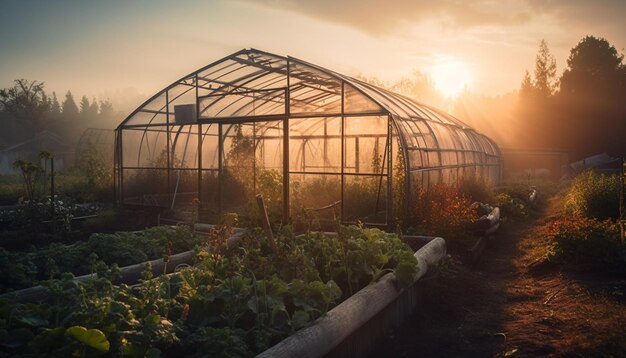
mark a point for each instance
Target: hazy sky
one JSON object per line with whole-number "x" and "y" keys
{"x": 100, "y": 48}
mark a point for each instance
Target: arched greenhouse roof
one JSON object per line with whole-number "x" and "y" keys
{"x": 252, "y": 84}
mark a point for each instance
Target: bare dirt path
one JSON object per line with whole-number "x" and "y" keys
{"x": 512, "y": 303}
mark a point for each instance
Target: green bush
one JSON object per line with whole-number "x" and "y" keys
{"x": 586, "y": 242}
{"x": 122, "y": 248}
{"x": 511, "y": 207}
{"x": 594, "y": 196}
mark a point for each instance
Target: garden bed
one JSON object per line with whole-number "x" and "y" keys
{"x": 234, "y": 302}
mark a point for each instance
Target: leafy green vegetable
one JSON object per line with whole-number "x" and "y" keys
{"x": 93, "y": 338}
{"x": 230, "y": 303}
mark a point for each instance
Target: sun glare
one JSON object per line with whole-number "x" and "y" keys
{"x": 451, "y": 77}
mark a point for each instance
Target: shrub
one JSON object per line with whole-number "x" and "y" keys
{"x": 444, "y": 211}
{"x": 476, "y": 190}
{"x": 594, "y": 196}
{"x": 587, "y": 242}
{"x": 511, "y": 206}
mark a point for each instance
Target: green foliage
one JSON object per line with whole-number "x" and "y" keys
{"x": 31, "y": 217}
{"x": 594, "y": 196}
{"x": 513, "y": 199}
{"x": 93, "y": 338}
{"x": 122, "y": 248}
{"x": 586, "y": 242}
{"x": 26, "y": 100}
{"x": 511, "y": 207}
{"x": 230, "y": 304}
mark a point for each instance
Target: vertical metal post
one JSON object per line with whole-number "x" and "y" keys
{"x": 326, "y": 163}
{"x": 286, "y": 202}
{"x": 343, "y": 153}
{"x": 121, "y": 163}
{"x": 254, "y": 156}
{"x": 389, "y": 174}
{"x": 356, "y": 155}
{"x": 115, "y": 169}
{"x": 200, "y": 198}
{"x": 220, "y": 167}
{"x": 304, "y": 141}
{"x": 168, "y": 146}
{"x": 254, "y": 144}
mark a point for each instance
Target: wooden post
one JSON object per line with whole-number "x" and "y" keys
{"x": 266, "y": 221}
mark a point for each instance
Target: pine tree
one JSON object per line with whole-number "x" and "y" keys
{"x": 70, "y": 110}
{"x": 84, "y": 106}
{"x": 55, "y": 107}
{"x": 93, "y": 109}
{"x": 106, "y": 109}
{"x": 527, "y": 88}
{"x": 545, "y": 71}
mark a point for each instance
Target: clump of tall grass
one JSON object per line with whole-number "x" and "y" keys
{"x": 594, "y": 196}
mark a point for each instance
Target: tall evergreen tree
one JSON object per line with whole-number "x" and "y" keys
{"x": 93, "y": 109}
{"x": 106, "y": 109}
{"x": 545, "y": 71}
{"x": 84, "y": 106}
{"x": 55, "y": 107}
{"x": 527, "y": 89}
{"x": 70, "y": 110}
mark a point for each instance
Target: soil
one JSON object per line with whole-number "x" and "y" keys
{"x": 514, "y": 302}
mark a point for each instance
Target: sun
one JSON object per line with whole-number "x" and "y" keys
{"x": 451, "y": 77}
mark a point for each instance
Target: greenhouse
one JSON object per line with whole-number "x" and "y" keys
{"x": 318, "y": 145}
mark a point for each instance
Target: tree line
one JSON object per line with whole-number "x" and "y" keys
{"x": 27, "y": 101}
{"x": 27, "y": 110}
{"x": 583, "y": 110}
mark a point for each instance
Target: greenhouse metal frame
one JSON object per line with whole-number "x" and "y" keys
{"x": 313, "y": 142}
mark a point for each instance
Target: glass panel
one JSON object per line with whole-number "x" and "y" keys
{"x": 269, "y": 145}
{"x": 268, "y": 175}
{"x": 315, "y": 199}
{"x": 366, "y": 145}
{"x": 433, "y": 159}
{"x": 357, "y": 102}
{"x": 144, "y": 117}
{"x": 448, "y": 158}
{"x": 237, "y": 182}
{"x": 313, "y": 91}
{"x": 184, "y": 188}
{"x": 315, "y": 145}
{"x": 210, "y": 193}
{"x": 252, "y": 165}
{"x": 444, "y": 138}
{"x": 145, "y": 148}
{"x": 210, "y": 146}
{"x": 157, "y": 104}
{"x": 184, "y": 141}
{"x": 145, "y": 187}
{"x": 243, "y": 103}
{"x": 418, "y": 159}
{"x": 365, "y": 199}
